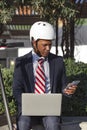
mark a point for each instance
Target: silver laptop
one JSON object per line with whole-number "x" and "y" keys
{"x": 41, "y": 104}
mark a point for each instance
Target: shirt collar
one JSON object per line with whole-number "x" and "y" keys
{"x": 36, "y": 57}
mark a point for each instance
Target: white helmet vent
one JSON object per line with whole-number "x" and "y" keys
{"x": 42, "y": 30}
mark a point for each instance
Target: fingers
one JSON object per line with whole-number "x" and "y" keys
{"x": 70, "y": 90}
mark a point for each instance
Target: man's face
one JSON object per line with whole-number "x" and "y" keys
{"x": 42, "y": 47}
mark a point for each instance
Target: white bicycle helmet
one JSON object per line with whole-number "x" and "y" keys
{"x": 42, "y": 30}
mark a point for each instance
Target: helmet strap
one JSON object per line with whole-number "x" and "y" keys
{"x": 35, "y": 47}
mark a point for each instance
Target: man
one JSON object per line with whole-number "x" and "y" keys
{"x": 26, "y": 77}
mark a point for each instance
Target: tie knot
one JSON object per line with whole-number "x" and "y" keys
{"x": 41, "y": 60}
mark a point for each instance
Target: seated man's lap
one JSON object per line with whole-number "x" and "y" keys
{"x": 49, "y": 122}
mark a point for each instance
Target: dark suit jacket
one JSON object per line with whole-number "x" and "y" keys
{"x": 23, "y": 81}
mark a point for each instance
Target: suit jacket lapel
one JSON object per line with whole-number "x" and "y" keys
{"x": 51, "y": 65}
{"x": 29, "y": 69}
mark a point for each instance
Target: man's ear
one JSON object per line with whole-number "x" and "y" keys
{"x": 34, "y": 43}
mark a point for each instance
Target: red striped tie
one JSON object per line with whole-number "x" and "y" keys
{"x": 40, "y": 78}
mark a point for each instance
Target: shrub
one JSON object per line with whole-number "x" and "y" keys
{"x": 7, "y": 75}
{"x": 77, "y": 104}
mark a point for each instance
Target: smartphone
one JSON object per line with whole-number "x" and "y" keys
{"x": 76, "y": 82}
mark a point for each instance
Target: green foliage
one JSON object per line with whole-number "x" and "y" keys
{"x": 74, "y": 106}
{"x": 54, "y": 9}
{"x": 7, "y": 75}
{"x": 81, "y": 22}
{"x": 77, "y": 104}
{"x": 2, "y": 109}
{"x": 6, "y": 12}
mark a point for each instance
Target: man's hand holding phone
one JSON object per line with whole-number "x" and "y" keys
{"x": 71, "y": 87}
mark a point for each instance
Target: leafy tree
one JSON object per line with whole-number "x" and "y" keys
{"x": 52, "y": 11}
{"x": 6, "y": 11}
{"x": 65, "y": 10}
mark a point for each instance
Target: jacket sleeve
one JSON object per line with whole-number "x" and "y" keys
{"x": 18, "y": 82}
